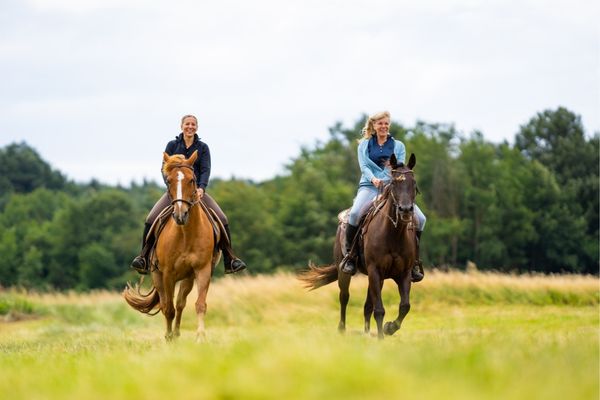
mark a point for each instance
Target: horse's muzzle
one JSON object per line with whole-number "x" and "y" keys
{"x": 406, "y": 212}
{"x": 181, "y": 218}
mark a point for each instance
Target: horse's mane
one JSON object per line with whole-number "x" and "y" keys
{"x": 174, "y": 161}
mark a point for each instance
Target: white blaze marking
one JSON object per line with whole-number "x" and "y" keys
{"x": 179, "y": 189}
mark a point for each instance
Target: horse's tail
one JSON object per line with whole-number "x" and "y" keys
{"x": 144, "y": 303}
{"x": 317, "y": 276}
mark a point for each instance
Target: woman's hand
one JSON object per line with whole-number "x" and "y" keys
{"x": 377, "y": 182}
{"x": 199, "y": 193}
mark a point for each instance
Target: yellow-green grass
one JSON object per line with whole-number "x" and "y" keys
{"x": 467, "y": 336}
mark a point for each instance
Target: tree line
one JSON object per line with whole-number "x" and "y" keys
{"x": 527, "y": 206}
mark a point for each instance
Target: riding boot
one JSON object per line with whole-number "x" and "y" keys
{"x": 348, "y": 265}
{"x": 417, "y": 273}
{"x": 230, "y": 262}
{"x": 140, "y": 263}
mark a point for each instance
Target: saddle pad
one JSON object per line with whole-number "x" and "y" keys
{"x": 343, "y": 216}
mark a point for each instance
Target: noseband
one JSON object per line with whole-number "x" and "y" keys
{"x": 399, "y": 216}
{"x": 189, "y": 203}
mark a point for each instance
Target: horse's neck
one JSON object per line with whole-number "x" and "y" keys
{"x": 196, "y": 219}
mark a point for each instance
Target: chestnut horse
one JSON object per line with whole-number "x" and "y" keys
{"x": 185, "y": 251}
{"x": 388, "y": 249}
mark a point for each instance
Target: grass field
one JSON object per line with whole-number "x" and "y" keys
{"x": 467, "y": 336}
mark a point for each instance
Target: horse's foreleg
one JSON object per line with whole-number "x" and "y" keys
{"x": 375, "y": 285}
{"x": 202, "y": 283}
{"x": 343, "y": 284}
{"x": 368, "y": 310}
{"x": 404, "y": 288}
{"x": 166, "y": 304}
{"x": 185, "y": 287}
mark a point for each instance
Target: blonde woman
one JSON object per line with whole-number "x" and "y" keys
{"x": 374, "y": 151}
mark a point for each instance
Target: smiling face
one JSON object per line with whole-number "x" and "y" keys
{"x": 189, "y": 126}
{"x": 382, "y": 126}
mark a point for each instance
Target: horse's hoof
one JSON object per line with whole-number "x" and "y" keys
{"x": 389, "y": 328}
{"x": 200, "y": 337}
{"x": 341, "y": 328}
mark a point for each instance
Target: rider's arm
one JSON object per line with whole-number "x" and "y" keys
{"x": 363, "y": 160}
{"x": 203, "y": 166}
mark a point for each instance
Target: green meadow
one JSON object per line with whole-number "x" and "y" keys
{"x": 467, "y": 336}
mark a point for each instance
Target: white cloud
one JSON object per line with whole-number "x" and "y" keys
{"x": 265, "y": 77}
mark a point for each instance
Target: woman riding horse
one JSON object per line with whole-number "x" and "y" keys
{"x": 389, "y": 251}
{"x": 374, "y": 152}
{"x": 186, "y": 144}
{"x": 186, "y": 251}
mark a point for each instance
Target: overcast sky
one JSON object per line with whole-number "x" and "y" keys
{"x": 98, "y": 87}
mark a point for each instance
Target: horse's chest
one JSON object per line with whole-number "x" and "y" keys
{"x": 187, "y": 260}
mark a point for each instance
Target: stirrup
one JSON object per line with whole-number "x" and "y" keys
{"x": 347, "y": 266}
{"x": 417, "y": 273}
{"x": 140, "y": 265}
{"x": 236, "y": 265}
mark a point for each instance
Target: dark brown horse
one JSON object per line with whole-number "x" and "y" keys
{"x": 388, "y": 250}
{"x": 185, "y": 251}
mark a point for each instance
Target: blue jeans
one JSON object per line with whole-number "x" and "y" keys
{"x": 362, "y": 201}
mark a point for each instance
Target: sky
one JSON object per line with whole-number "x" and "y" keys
{"x": 98, "y": 87}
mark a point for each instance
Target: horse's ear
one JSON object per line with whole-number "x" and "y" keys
{"x": 165, "y": 157}
{"x": 192, "y": 158}
{"x": 412, "y": 161}
{"x": 393, "y": 161}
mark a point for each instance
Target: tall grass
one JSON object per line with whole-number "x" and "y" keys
{"x": 467, "y": 336}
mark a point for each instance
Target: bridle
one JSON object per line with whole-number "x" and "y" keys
{"x": 189, "y": 203}
{"x": 400, "y": 216}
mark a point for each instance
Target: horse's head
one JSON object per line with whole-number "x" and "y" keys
{"x": 181, "y": 184}
{"x": 403, "y": 187}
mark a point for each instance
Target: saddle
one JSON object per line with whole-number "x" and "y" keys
{"x": 370, "y": 210}
{"x": 160, "y": 222}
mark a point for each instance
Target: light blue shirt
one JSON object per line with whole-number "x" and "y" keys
{"x": 369, "y": 169}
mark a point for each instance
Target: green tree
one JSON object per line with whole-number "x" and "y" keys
{"x": 10, "y": 260}
{"x": 479, "y": 204}
{"x": 556, "y": 138}
{"x": 97, "y": 266}
{"x": 99, "y": 218}
{"x": 254, "y": 230}
{"x": 22, "y": 170}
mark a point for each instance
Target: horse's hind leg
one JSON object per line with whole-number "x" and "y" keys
{"x": 404, "y": 288}
{"x": 185, "y": 287}
{"x": 344, "y": 285}
{"x": 202, "y": 283}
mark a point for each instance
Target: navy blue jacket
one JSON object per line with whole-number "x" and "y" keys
{"x": 202, "y": 164}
